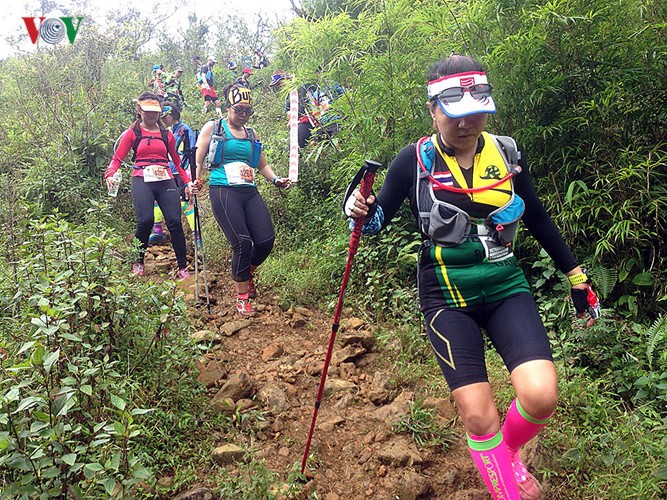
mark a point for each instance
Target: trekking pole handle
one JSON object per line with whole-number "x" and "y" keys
{"x": 367, "y": 179}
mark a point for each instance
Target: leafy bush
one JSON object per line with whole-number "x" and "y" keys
{"x": 79, "y": 364}
{"x": 596, "y": 448}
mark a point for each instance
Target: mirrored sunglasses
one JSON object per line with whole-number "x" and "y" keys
{"x": 240, "y": 110}
{"x": 455, "y": 94}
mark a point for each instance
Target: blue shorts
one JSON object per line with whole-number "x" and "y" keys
{"x": 512, "y": 324}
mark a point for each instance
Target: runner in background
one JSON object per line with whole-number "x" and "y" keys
{"x": 315, "y": 120}
{"x": 278, "y": 79}
{"x": 156, "y": 82}
{"x": 152, "y": 179}
{"x": 171, "y": 118}
{"x": 259, "y": 60}
{"x": 244, "y": 79}
{"x": 173, "y": 90}
{"x": 206, "y": 79}
{"x": 233, "y": 154}
{"x": 196, "y": 60}
{"x": 232, "y": 66}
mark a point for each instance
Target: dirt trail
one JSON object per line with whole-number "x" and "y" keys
{"x": 273, "y": 361}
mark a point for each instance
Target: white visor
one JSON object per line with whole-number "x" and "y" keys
{"x": 468, "y": 105}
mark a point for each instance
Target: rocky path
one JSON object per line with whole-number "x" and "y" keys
{"x": 272, "y": 364}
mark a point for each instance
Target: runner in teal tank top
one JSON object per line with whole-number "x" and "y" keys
{"x": 237, "y": 152}
{"x": 232, "y": 153}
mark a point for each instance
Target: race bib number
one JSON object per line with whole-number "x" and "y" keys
{"x": 493, "y": 250}
{"x": 156, "y": 173}
{"x": 239, "y": 174}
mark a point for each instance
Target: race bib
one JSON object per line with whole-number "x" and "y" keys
{"x": 155, "y": 173}
{"x": 239, "y": 174}
{"x": 493, "y": 250}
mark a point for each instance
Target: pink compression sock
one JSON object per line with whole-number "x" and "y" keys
{"x": 519, "y": 427}
{"x": 493, "y": 462}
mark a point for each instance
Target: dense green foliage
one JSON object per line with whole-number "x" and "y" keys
{"x": 581, "y": 85}
{"x": 88, "y": 353}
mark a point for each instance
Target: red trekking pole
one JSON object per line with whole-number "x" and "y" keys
{"x": 366, "y": 175}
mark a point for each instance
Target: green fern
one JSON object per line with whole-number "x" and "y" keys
{"x": 656, "y": 333}
{"x": 604, "y": 279}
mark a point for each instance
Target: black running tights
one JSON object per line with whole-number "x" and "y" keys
{"x": 245, "y": 220}
{"x": 167, "y": 196}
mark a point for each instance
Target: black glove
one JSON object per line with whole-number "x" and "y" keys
{"x": 585, "y": 300}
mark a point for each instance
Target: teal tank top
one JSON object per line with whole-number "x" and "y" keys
{"x": 235, "y": 170}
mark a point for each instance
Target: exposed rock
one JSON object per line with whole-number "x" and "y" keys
{"x": 272, "y": 351}
{"x": 381, "y": 471}
{"x": 237, "y": 386}
{"x": 347, "y": 370}
{"x": 329, "y": 425}
{"x": 275, "y": 397}
{"x": 298, "y": 321}
{"x": 232, "y": 327}
{"x": 196, "y": 494}
{"x": 302, "y": 311}
{"x": 365, "y": 456}
{"x": 383, "y": 434}
{"x": 224, "y": 405}
{"x": 400, "y": 407}
{"x": 443, "y": 407}
{"x": 336, "y": 385}
{"x": 382, "y": 380}
{"x": 200, "y": 363}
{"x": 347, "y": 353}
{"x": 227, "y": 454}
{"x": 452, "y": 476}
{"x": 359, "y": 337}
{"x": 399, "y": 452}
{"x": 288, "y": 373}
{"x": 353, "y": 323}
{"x": 205, "y": 336}
{"x": 366, "y": 360}
{"x": 245, "y": 404}
{"x": 380, "y": 397}
{"x": 413, "y": 486}
{"x": 345, "y": 401}
{"x": 211, "y": 374}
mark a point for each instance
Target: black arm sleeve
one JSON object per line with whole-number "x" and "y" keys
{"x": 540, "y": 225}
{"x": 398, "y": 183}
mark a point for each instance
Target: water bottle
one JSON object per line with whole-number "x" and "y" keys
{"x": 113, "y": 189}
